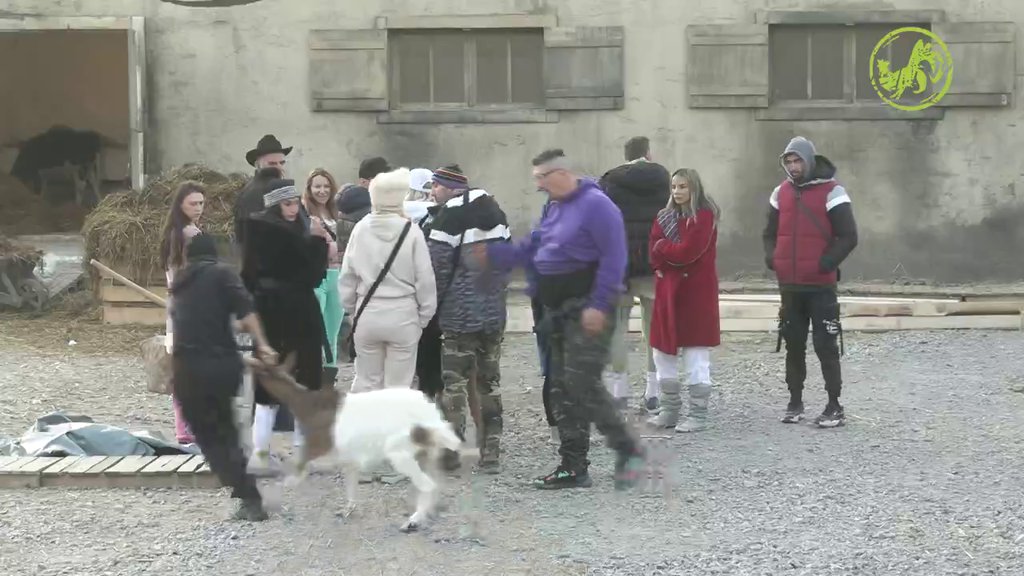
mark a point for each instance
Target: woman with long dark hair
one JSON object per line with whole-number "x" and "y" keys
{"x": 685, "y": 321}
{"x": 283, "y": 263}
{"x": 319, "y": 200}
{"x": 180, "y": 226}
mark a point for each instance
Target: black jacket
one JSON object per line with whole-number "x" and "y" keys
{"x": 353, "y": 205}
{"x": 250, "y": 199}
{"x": 640, "y": 189}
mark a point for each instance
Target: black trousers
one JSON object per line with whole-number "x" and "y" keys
{"x": 817, "y": 309}
{"x": 206, "y": 386}
{"x": 544, "y": 352}
{"x": 428, "y": 360}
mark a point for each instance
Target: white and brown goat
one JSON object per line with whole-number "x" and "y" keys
{"x": 397, "y": 425}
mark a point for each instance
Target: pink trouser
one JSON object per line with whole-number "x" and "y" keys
{"x": 182, "y": 434}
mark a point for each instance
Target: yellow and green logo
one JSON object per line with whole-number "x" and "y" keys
{"x": 923, "y": 81}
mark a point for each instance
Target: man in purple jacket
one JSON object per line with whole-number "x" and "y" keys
{"x": 578, "y": 254}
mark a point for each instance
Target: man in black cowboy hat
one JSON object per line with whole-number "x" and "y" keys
{"x": 268, "y": 153}
{"x": 269, "y": 159}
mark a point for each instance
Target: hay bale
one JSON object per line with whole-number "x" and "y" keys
{"x": 19, "y": 251}
{"x": 123, "y": 231}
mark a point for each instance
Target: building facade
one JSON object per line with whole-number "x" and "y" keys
{"x": 718, "y": 86}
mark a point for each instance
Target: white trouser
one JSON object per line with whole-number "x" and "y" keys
{"x": 696, "y": 364}
{"x": 387, "y": 339}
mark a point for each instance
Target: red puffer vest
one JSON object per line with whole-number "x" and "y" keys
{"x": 804, "y": 234}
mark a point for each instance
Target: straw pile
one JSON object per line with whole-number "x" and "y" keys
{"x": 9, "y": 249}
{"x": 123, "y": 231}
{"x": 22, "y": 211}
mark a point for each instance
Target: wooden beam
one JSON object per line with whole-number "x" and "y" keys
{"x": 890, "y": 323}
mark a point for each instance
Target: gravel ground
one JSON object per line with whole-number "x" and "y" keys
{"x": 924, "y": 479}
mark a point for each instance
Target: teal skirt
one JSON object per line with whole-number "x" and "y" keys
{"x": 330, "y": 308}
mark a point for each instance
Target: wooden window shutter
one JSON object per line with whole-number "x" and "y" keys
{"x": 727, "y": 66}
{"x": 984, "y": 62}
{"x": 348, "y": 70}
{"x": 584, "y": 68}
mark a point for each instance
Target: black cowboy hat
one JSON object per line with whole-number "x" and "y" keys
{"x": 267, "y": 145}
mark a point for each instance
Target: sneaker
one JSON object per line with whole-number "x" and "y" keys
{"x": 489, "y": 466}
{"x": 832, "y": 417}
{"x": 627, "y": 469}
{"x": 794, "y": 413}
{"x": 651, "y": 404}
{"x": 562, "y": 477}
{"x": 250, "y": 511}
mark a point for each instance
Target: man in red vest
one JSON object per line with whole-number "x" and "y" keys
{"x": 810, "y": 231}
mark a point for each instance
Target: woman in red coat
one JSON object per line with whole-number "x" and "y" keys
{"x": 685, "y": 318}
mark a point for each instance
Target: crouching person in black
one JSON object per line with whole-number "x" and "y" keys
{"x": 207, "y": 367}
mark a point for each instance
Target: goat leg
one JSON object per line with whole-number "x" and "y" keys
{"x": 351, "y": 472}
{"x": 426, "y": 488}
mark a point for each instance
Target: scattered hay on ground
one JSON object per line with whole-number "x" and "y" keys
{"x": 22, "y": 211}
{"x": 123, "y": 231}
{"x": 64, "y": 334}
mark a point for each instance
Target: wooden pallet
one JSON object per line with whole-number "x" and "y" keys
{"x": 180, "y": 471}
{"x": 122, "y": 305}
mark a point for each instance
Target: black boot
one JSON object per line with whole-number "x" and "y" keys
{"x": 250, "y": 510}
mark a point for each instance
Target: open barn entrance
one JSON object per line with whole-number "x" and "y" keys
{"x": 70, "y": 118}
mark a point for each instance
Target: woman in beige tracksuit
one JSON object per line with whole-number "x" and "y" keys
{"x": 388, "y": 332}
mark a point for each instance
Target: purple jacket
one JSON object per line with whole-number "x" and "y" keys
{"x": 584, "y": 229}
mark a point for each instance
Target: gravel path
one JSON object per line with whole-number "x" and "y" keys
{"x": 924, "y": 480}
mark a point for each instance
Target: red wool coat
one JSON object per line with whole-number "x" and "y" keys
{"x": 685, "y": 286}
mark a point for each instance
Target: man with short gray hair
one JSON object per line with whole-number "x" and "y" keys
{"x": 579, "y": 255}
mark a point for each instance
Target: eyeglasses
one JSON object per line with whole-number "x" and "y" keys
{"x": 544, "y": 175}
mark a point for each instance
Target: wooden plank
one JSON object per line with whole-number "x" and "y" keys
{"x": 889, "y": 323}
{"x": 7, "y": 460}
{"x": 63, "y": 466}
{"x": 130, "y": 465}
{"x": 103, "y": 465}
{"x": 166, "y": 464}
{"x": 193, "y": 464}
{"x": 37, "y": 465}
{"x": 83, "y": 465}
{"x": 13, "y": 465}
{"x": 116, "y": 293}
{"x": 117, "y": 315}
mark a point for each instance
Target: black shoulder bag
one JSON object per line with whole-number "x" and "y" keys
{"x": 351, "y": 345}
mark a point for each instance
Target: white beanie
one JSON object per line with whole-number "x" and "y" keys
{"x": 388, "y": 190}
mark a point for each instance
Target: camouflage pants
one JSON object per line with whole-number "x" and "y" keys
{"x": 577, "y": 392}
{"x": 469, "y": 359}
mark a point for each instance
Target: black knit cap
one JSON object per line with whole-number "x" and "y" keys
{"x": 201, "y": 247}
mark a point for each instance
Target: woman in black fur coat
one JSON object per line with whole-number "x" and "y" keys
{"x": 283, "y": 261}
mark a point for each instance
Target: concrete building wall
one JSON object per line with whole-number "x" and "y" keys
{"x": 938, "y": 199}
